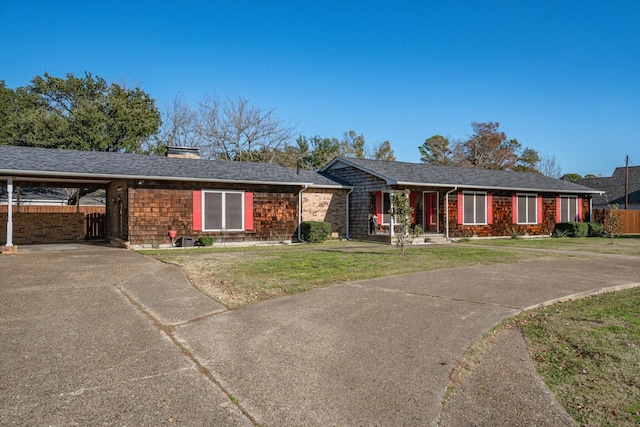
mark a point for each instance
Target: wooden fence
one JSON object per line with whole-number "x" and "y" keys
{"x": 630, "y": 219}
{"x": 54, "y": 209}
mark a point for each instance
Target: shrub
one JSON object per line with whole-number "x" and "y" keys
{"x": 315, "y": 231}
{"x": 205, "y": 241}
{"x": 595, "y": 229}
{"x": 572, "y": 229}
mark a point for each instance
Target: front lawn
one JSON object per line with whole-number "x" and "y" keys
{"x": 621, "y": 246}
{"x": 588, "y": 353}
{"x": 239, "y": 276}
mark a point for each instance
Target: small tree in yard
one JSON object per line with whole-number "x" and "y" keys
{"x": 401, "y": 212}
{"x": 612, "y": 222}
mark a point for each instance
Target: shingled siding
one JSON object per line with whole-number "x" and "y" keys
{"x": 503, "y": 218}
{"x": 155, "y": 208}
{"x": 327, "y": 206}
{"x": 44, "y": 228}
{"x": 360, "y": 207}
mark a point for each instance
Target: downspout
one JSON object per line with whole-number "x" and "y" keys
{"x": 591, "y": 209}
{"x": 446, "y": 206}
{"x": 9, "y": 212}
{"x": 300, "y": 213}
{"x": 347, "y": 223}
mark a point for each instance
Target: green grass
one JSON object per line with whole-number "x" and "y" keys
{"x": 238, "y": 276}
{"x": 621, "y": 246}
{"x": 588, "y": 353}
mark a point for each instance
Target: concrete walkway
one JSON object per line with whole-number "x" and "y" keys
{"x": 96, "y": 335}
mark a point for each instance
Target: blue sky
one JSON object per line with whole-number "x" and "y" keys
{"x": 562, "y": 77}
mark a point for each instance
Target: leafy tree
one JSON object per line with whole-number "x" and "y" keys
{"x": 383, "y": 151}
{"x": 316, "y": 151}
{"x": 82, "y": 113}
{"x": 571, "y": 177}
{"x": 488, "y": 148}
{"x": 353, "y": 145}
{"x": 436, "y": 151}
{"x": 527, "y": 161}
{"x": 233, "y": 129}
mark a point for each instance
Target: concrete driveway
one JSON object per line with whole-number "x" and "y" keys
{"x": 96, "y": 335}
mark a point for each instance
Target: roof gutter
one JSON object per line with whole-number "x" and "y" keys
{"x": 300, "y": 213}
{"x": 26, "y": 174}
{"x": 347, "y": 223}
{"x": 446, "y": 206}
{"x": 485, "y": 187}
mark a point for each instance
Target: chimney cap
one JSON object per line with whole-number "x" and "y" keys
{"x": 183, "y": 152}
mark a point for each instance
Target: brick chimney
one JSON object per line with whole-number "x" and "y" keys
{"x": 183, "y": 152}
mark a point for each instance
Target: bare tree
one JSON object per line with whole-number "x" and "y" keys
{"x": 179, "y": 127}
{"x": 233, "y": 129}
{"x": 549, "y": 166}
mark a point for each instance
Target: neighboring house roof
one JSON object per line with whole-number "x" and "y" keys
{"x": 614, "y": 186}
{"x": 401, "y": 173}
{"x": 55, "y": 163}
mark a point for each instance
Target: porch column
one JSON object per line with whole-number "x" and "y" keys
{"x": 9, "y": 212}
{"x": 391, "y": 224}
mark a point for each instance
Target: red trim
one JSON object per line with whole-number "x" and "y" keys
{"x": 460, "y": 208}
{"x": 514, "y": 208}
{"x": 196, "y": 216}
{"x": 579, "y": 209}
{"x": 413, "y": 202}
{"x": 558, "y": 213}
{"x": 379, "y": 206}
{"x": 248, "y": 211}
{"x": 540, "y": 210}
{"x": 489, "y": 208}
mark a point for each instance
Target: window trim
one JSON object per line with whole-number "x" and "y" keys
{"x": 517, "y": 208}
{"x": 578, "y": 202}
{"x": 475, "y": 210}
{"x": 223, "y": 209}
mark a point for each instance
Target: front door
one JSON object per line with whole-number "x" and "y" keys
{"x": 431, "y": 211}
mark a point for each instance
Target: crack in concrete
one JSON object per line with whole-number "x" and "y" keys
{"x": 169, "y": 332}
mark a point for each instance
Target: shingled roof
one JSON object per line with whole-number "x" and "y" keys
{"x": 55, "y": 163}
{"x": 401, "y": 173}
{"x": 614, "y": 186}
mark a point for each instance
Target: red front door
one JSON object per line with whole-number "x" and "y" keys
{"x": 431, "y": 211}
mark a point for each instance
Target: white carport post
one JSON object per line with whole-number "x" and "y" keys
{"x": 9, "y": 212}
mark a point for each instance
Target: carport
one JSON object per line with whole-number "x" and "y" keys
{"x": 26, "y": 224}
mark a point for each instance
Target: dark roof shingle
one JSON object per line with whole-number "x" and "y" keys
{"x": 452, "y": 176}
{"x": 30, "y": 161}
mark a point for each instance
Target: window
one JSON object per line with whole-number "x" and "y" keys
{"x": 527, "y": 209}
{"x": 474, "y": 208}
{"x": 569, "y": 209}
{"x": 222, "y": 210}
{"x": 386, "y": 207}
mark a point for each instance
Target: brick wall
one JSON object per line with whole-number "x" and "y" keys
{"x": 43, "y": 228}
{"x": 503, "y": 218}
{"x": 326, "y": 205}
{"x": 154, "y": 208}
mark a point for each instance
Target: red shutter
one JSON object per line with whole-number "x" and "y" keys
{"x": 460, "y": 208}
{"x": 413, "y": 198}
{"x": 196, "y": 217}
{"x": 514, "y": 208}
{"x": 489, "y": 208}
{"x": 248, "y": 211}
{"x": 379, "y": 206}
{"x": 558, "y": 213}
{"x": 540, "y": 210}
{"x": 579, "y": 209}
